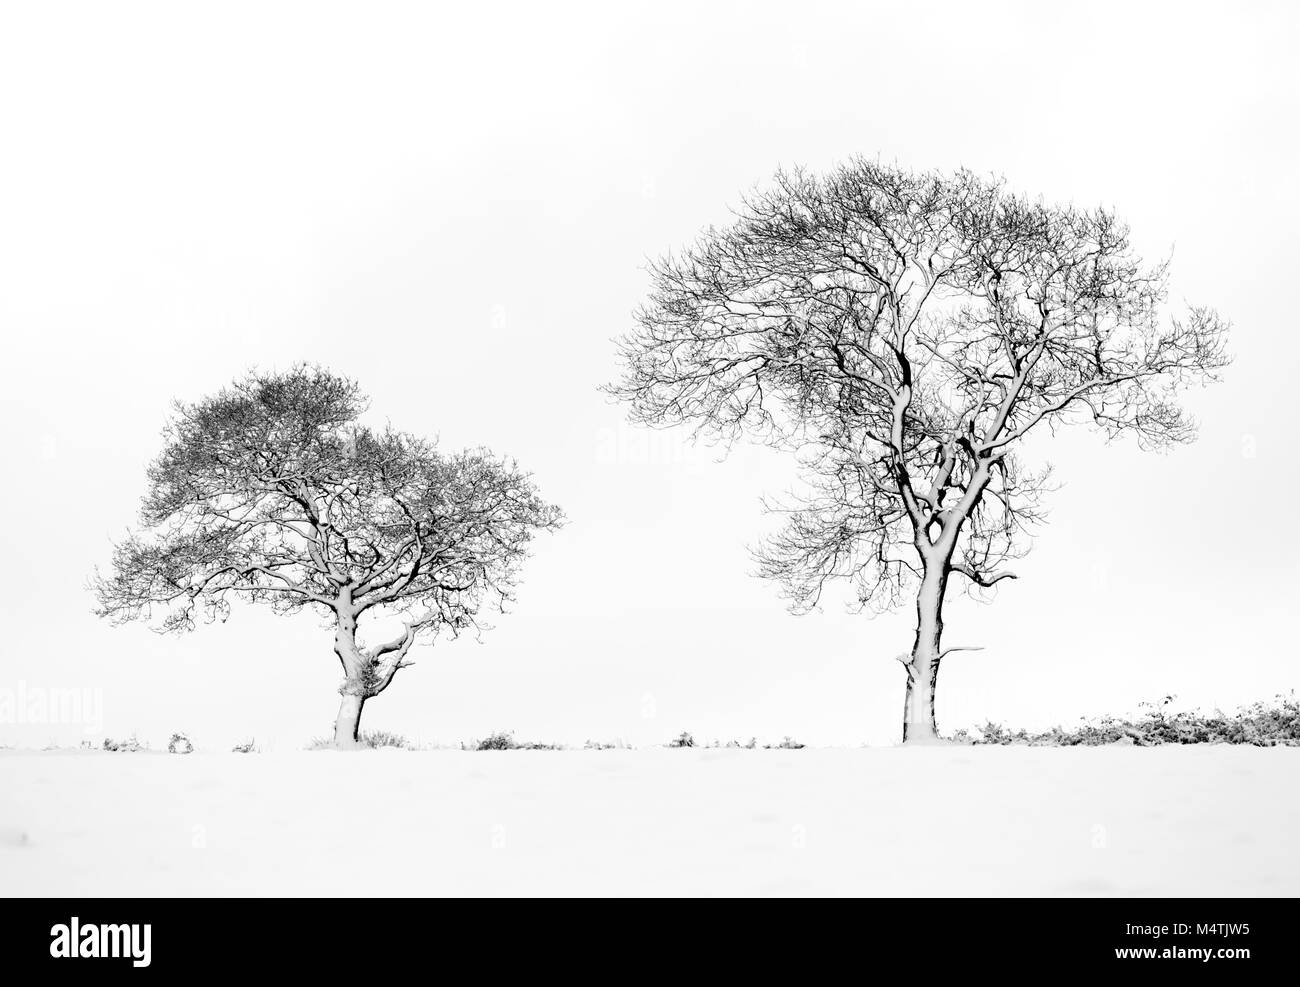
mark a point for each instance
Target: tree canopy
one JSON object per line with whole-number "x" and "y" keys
{"x": 904, "y": 332}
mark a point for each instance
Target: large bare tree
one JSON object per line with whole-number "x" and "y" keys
{"x": 273, "y": 492}
{"x": 905, "y": 334}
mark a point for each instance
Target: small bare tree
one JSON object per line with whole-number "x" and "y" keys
{"x": 271, "y": 491}
{"x": 904, "y": 334}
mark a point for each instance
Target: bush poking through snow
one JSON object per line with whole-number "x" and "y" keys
{"x": 499, "y": 741}
{"x": 787, "y": 743}
{"x": 128, "y": 746}
{"x": 371, "y": 739}
{"x": 1264, "y": 724}
{"x": 683, "y": 740}
{"x": 180, "y": 744}
{"x": 504, "y": 740}
{"x": 247, "y": 748}
{"x": 383, "y": 738}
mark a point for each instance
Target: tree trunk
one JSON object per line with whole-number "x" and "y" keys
{"x": 355, "y": 687}
{"x": 348, "y": 723}
{"x": 923, "y": 666}
{"x": 918, "y": 706}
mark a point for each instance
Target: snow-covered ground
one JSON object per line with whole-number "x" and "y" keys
{"x": 943, "y": 821}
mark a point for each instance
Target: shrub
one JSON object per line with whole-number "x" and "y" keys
{"x": 371, "y": 739}
{"x": 123, "y": 745}
{"x": 382, "y": 738}
{"x": 1263, "y": 724}
{"x": 247, "y": 748}
{"x": 504, "y": 740}
{"x": 787, "y": 744}
{"x": 179, "y": 744}
{"x": 684, "y": 740}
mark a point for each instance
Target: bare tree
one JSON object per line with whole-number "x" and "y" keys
{"x": 904, "y": 334}
{"x": 271, "y": 491}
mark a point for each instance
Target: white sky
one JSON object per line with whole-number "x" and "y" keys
{"x": 454, "y": 207}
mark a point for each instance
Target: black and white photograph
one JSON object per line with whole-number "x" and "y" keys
{"x": 650, "y": 450}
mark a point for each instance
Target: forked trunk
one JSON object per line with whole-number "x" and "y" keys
{"x": 923, "y": 665}
{"x": 348, "y": 724}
